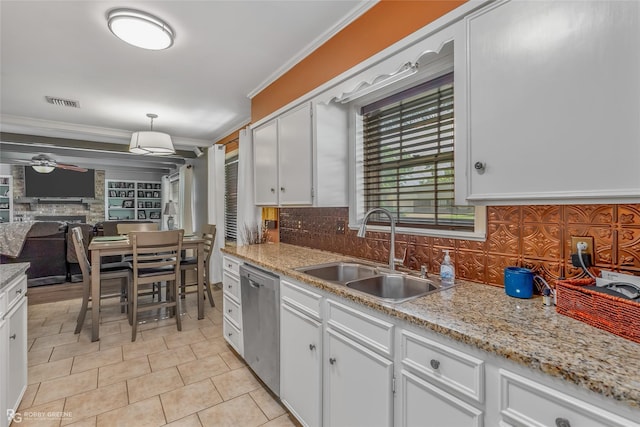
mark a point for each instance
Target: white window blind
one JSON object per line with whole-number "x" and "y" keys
{"x": 231, "y": 198}
{"x": 408, "y": 157}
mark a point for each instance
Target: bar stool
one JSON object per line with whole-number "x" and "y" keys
{"x": 191, "y": 263}
{"x": 156, "y": 258}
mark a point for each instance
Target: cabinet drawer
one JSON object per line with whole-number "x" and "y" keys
{"x": 233, "y": 336}
{"x": 231, "y": 265}
{"x": 16, "y": 290}
{"x": 458, "y": 372}
{"x": 363, "y": 328}
{"x": 232, "y": 311}
{"x": 526, "y": 402}
{"x": 304, "y": 300}
{"x": 231, "y": 286}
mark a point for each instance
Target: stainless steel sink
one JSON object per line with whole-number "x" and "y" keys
{"x": 394, "y": 287}
{"x": 382, "y": 283}
{"x": 339, "y": 272}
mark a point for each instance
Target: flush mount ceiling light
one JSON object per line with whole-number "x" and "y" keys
{"x": 140, "y": 29}
{"x": 151, "y": 142}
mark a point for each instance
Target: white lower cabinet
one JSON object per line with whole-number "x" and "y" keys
{"x": 232, "y": 304}
{"x": 440, "y": 385}
{"x": 424, "y": 404}
{"x": 301, "y": 365}
{"x": 343, "y": 364}
{"x": 3, "y": 371}
{"x": 358, "y": 386}
{"x": 17, "y": 366}
{"x": 528, "y": 403}
{"x": 13, "y": 347}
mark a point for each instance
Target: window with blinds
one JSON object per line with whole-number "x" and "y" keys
{"x": 231, "y": 198}
{"x": 408, "y": 157}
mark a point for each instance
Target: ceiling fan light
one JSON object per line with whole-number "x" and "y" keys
{"x": 151, "y": 142}
{"x": 43, "y": 168}
{"x": 140, "y": 29}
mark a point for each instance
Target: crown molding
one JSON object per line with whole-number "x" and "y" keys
{"x": 355, "y": 13}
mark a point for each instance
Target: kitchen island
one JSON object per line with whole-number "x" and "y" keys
{"x": 523, "y": 331}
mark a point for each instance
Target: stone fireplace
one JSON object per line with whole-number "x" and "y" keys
{"x": 91, "y": 213}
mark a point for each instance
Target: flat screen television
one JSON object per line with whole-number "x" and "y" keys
{"x": 59, "y": 183}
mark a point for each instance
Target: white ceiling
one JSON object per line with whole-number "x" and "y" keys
{"x": 223, "y": 51}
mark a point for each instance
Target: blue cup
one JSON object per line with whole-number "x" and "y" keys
{"x": 518, "y": 282}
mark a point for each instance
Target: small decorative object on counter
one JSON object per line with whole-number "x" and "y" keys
{"x": 447, "y": 272}
{"x": 518, "y": 282}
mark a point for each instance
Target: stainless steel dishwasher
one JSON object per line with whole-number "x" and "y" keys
{"x": 260, "y": 293}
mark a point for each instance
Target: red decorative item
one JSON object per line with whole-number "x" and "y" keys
{"x": 613, "y": 314}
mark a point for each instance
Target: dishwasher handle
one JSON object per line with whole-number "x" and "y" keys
{"x": 254, "y": 284}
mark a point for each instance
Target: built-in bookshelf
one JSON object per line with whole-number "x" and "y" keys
{"x": 130, "y": 200}
{"x": 6, "y": 198}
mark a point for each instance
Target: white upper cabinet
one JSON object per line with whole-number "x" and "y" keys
{"x": 301, "y": 158}
{"x": 283, "y": 154}
{"x": 265, "y": 155}
{"x": 548, "y": 103}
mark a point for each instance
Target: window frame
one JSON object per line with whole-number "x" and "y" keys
{"x": 434, "y": 70}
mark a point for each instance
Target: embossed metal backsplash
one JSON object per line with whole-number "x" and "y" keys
{"x": 536, "y": 237}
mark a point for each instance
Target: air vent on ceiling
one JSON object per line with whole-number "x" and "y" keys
{"x": 62, "y": 102}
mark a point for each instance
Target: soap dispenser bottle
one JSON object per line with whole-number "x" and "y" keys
{"x": 447, "y": 272}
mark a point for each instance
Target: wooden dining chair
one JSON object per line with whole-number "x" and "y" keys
{"x": 156, "y": 258}
{"x": 116, "y": 270}
{"x": 191, "y": 263}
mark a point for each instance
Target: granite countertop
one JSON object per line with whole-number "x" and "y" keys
{"x": 521, "y": 330}
{"x": 8, "y": 272}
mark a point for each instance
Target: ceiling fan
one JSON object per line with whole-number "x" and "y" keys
{"x": 45, "y": 164}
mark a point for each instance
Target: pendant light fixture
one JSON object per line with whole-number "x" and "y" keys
{"x": 151, "y": 142}
{"x": 140, "y": 29}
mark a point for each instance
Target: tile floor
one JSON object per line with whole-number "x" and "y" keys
{"x": 166, "y": 377}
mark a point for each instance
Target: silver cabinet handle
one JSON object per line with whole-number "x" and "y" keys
{"x": 332, "y": 360}
{"x": 562, "y": 422}
{"x": 273, "y": 190}
{"x": 229, "y": 311}
{"x": 282, "y": 189}
{"x": 229, "y": 286}
{"x": 13, "y": 337}
{"x": 312, "y": 347}
{"x": 18, "y": 291}
{"x": 435, "y": 364}
{"x": 229, "y": 334}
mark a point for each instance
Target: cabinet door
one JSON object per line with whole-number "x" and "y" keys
{"x": 553, "y": 101}
{"x": 295, "y": 157}
{"x": 300, "y": 366}
{"x": 3, "y": 371}
{"x": 17, "y": 355}
{"x": 358, "y": 384}
{"x": 424, "y": 405}
{"x": 265, "y": 157}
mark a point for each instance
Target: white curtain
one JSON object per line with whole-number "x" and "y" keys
{"x": 215, "y": 159}
{"x": 185, "y": 199}
{"x": 249, "y": 215}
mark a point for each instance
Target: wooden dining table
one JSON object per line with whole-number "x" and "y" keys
{"x": 100, "y": 247}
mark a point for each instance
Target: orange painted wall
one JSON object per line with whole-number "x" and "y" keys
{"x": 381, "y": 26}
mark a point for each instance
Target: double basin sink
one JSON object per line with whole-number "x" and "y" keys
{"x": 384, "y": 284}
